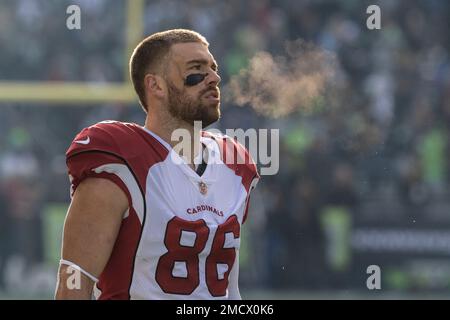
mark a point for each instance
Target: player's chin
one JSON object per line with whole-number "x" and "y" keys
{"x": 212, "y": 115}
{"x": 214, "y": 110}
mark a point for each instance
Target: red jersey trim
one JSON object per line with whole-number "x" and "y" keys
{"x": 107, "y": 294}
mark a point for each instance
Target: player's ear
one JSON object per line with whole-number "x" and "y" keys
{"x": 154, "y": 85}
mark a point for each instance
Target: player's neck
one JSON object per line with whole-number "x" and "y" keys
{"x": 165, "y": 130}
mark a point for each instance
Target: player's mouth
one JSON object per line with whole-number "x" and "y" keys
{"x": 212, "y": 95}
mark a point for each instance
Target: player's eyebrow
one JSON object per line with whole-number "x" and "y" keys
{"x": 203, "y": 62}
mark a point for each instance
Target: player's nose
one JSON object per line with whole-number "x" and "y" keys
{"x": 213, "y": 78}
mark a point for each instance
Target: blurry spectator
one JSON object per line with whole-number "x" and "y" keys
{"x": 5, "y": 239}
{"x": 342, "y": 191}
{"x": 19, "y": 170}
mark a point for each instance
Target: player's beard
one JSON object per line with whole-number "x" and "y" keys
{"x": 183, "y": 107}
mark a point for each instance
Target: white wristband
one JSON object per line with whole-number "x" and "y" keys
{"x": 77, "y": 267}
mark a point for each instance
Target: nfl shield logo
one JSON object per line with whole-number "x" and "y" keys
{"x": 203, "y": 188}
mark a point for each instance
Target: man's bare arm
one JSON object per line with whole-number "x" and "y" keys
{"x": 90, "y": 231}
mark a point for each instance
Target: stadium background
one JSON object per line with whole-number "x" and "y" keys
{"x": 362, "y": 183}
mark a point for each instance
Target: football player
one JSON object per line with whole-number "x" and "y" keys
{"x": 144, "y": 221}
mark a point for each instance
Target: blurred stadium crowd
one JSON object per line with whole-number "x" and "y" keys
{"x": 374, "y": 153}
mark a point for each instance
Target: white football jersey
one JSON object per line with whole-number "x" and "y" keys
{"x": 180, "y": 237}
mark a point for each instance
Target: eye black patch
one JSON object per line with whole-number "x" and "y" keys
{"x": 194, "y": 79}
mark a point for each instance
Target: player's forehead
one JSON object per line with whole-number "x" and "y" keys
{"x": 191, "y": 52}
